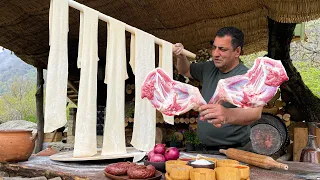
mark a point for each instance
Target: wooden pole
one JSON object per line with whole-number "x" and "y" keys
{"x": 129, "y": 28}
{"x": 40, "y": 114}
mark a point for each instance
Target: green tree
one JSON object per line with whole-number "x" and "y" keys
{"x": 19, "y": 102}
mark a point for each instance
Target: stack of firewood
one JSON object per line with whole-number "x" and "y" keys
{"x": 203, "y": 55}
{"x": 277, "y": 107}
{"x": 130, "y": 88}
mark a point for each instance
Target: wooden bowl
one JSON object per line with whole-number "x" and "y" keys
{"x": 202, "y": 173}
{"x": 171, "y": 163}
{"x": 160, "y": 166}
{"x": 16, "y": 145}
{"x": 223, "y": 162}
{"x": 209, "y": 166}
{"x": 243, "y": 169}
{"x": 229, "y": 173}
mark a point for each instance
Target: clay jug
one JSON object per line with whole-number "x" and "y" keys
{"x": 311, "y": 153}
{"x": 16, "y": 145}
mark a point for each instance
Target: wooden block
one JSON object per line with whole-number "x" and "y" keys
{"x": 193, "y": 126}
{"x": 50, "y": 137}
{"x": 300, "y": 135}
{"x": 159, "y": 135}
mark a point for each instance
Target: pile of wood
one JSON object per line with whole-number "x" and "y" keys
{"x": 130, "y": 88}
{"x": 277, "y": 107}
{"x": 203, "y": 55}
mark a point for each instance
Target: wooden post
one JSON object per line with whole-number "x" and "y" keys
{"x": 300, "y": 135}
{"x": 40, "y": 114}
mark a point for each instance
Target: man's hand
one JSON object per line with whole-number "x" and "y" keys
{"x": 218, "y": 115}
{"x": 177, "y": 50}
{"x": 214, "y": 113}
{"x": 183, "y": 64}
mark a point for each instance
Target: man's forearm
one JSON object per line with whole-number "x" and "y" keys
{"x": 241, "y": 116}
{"x": 183, "y": 65}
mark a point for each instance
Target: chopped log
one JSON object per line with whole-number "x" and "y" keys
{"x": 192, "y": 120}
{"x": 179, "y": 136}
{"x": 125, "y": 124}
{"x": 161, "y": 121}
{"x": 193, "y": 126}
{"x": 272, "y": 110}
{"x": 159, "y": 135}
{"x": 131, "y": 119}
{"x": 129, "y": 91}
{"x": 126, "y": 120}
{"x": 279, "y": 115}
{"x": 280, "y": 104}
{"x": 132, "y": 86}
{"x": 181, "y": 120}
{"x": 286, "y": 117}
{"x": 40, "y": 114}
{"x": 186, "y": 120}
{"x": 275, "y": 97}
{"x": 176, "y": 120}
{"x": 128, "y": 86}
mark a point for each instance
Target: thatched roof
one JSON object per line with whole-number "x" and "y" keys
{"x": 24, "y": 24}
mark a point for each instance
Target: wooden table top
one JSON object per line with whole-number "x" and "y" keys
{"x": 42, "y": 165}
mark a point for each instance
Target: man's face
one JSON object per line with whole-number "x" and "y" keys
{"x": 224, "y": 56}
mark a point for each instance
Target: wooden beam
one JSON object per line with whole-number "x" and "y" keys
{"x": 72, "y": 86}
{"x": 40, "y": 114}
{"x": 74, "y": 93}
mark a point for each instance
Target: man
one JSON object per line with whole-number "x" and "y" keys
{"x": 221, "y": 125}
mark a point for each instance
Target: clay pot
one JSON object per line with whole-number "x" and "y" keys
{"x": 16, "y": 145}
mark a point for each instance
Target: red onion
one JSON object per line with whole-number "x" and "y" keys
{"x": 157, "y": 158}
{"x": 159, "y": 148}
{"x": 172, "y": 153}
{"x": 150, "y": 154}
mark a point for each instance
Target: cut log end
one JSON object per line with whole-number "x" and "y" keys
{"x": 223, "y": 151}
{"x": 284, "y": 166}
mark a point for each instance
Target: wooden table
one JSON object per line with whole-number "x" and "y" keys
{"x": 43, "y": 166}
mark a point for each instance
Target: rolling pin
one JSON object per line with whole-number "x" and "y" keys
{"x": 262, "y": 161}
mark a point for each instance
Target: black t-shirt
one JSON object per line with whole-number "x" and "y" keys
{"x": 208, "y": 134}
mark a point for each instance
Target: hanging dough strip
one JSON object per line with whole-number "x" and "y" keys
{"x": 129, "y": 28}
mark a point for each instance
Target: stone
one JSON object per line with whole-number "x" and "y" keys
{"x": 18, "y": 124}
{"x": 39, "y": 178}
{"x": 3, "y": 174}
{"x": 20, "y": 178}
{"x": 56, "y": 178}
{"x": 58, "y": 146}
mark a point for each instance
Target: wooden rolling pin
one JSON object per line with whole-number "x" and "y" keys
{"x": 262, "y": 161}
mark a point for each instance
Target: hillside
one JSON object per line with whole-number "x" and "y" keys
{"x": 12, "y": 66}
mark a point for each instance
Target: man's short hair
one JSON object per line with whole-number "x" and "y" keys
{"x": 236, "y": 34}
